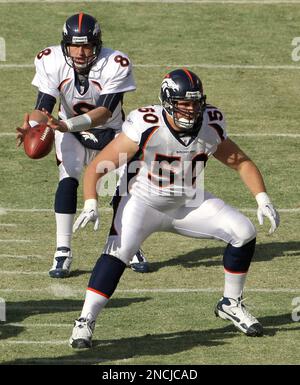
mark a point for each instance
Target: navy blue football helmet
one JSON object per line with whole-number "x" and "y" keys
{"x": 183, "y": 85}
{"x": 81, "y": 29}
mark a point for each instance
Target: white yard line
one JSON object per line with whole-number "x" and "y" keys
{"x": 16, "y": 66}
{"x": 153, "y": 290}
{"x": 45, "y": 290}
{"x": 37, "y": 325}
{"x": 4, "y": 211}
{"x": 15, "y": 241}
{"x": 222, "y": 66}
{"x": 207, "y": 290}
{"x": 170, "y": 65}
{"x": 295, "y": 210}
{"x": 272, "y": 135}
{"x": 25, "y": 256}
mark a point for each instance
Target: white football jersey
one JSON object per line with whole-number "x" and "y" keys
{"x": 166, "y": 169}
{"x": 112, "y": 73}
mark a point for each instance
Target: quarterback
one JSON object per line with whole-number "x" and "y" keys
{"x": 164, "y": 196}
{"x": 90, "y": 82}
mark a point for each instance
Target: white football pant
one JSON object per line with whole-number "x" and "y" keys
{"x": 134, "y": 221}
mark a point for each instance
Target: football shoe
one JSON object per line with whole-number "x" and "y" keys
{"x": 235, "y": 311}
{"x": 61, "y": 263}
{"x": 82, "y": 334}
{"x": 139, "y": 262}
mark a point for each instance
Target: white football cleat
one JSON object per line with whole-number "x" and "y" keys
{"x": 235, "y": 311}
{"x": 139, "y": 262}
{"x": 82, "y": 334}
{"x": 61, "y": 263}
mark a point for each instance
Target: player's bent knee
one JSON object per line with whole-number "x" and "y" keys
{"x": 115, "y": 247}
{"x": 124, "y": 255}
{"x": 245, "y": 233}
{"x": 125, "y": 258}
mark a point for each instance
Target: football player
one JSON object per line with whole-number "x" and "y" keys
{"x": 167, "y": 147}
{"x": 89, "y": 81}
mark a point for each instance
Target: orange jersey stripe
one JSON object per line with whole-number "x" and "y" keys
{"x": 62, "y": 83}
{"x": 97, "y": 84}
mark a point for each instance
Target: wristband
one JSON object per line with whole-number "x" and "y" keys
{"x": 79, "y": 123}
{"x": 90, "y": 204}
{"x": 262, "y": 198}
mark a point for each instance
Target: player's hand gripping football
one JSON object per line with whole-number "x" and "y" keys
{"x": 21, "y": 131}
{"x": 266, "y": 209}
{"x": 55, "y": 124}
{"x": 89, "y": 214}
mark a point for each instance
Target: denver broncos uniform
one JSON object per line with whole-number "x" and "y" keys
{"x": 169, "y": 163}
{"x": 111, "y": 74}
{"x": 161, "y": 185}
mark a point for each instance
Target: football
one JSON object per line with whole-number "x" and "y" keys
{"x": 38, "y": 141}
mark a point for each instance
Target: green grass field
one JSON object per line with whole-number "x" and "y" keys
{"x": 165, "y": 316}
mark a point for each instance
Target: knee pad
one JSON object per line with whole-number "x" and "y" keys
{"x": 106, "y": 274}
{"x": 238, "y": 259}
{"x": 66, "y": 196}
{"x": 245, "y": 233}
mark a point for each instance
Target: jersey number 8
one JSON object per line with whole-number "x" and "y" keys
{"x": 122, "y": 60}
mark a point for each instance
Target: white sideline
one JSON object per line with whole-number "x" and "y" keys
{"x": 199, "y": 65}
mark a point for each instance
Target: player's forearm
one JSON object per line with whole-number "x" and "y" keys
{"x": 252, "y": 177}
{"x": 93, "y": 118}
{"x": 90, "y": 182}
{"x": 99, "y": 116}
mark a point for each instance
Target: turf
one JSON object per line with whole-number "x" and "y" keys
{"x": 165, "y": 316}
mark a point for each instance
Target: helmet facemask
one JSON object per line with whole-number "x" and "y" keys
{"x": 81, "y": 67}
{"x": 188, "y": 118}
{"x": 81, "y": 29}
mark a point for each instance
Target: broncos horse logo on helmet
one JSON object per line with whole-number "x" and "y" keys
{"x": 167, "y": 84}
{"x": 81, "y": 29}
{"x": 182, "y": 84}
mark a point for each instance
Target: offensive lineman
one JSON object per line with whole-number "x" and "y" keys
{"x": 90, "y": 82}
{"x": 172, "y": 143}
